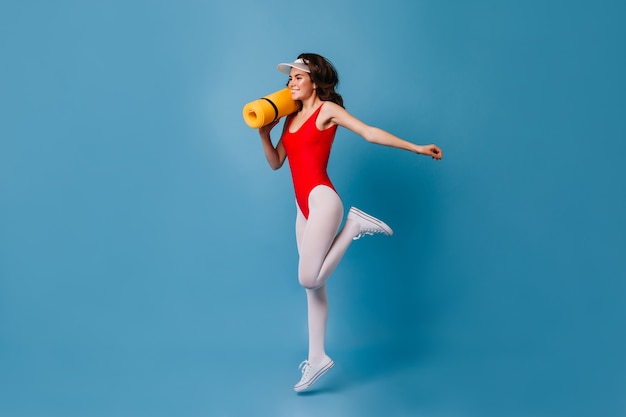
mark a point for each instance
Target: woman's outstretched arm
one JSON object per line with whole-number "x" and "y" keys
{"x": 275, "y": 155}
{"x": 338, "y": 115}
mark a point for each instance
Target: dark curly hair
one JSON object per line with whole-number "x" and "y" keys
{"x": 325, "y": 77}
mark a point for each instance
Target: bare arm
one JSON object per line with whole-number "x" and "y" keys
{"x": 275, "y": 155}
{"x": 338, "y": 115}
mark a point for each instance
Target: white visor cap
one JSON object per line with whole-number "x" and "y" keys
{"x": 298, "y": 63}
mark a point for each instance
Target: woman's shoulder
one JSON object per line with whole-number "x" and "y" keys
{"x": 330, "y": 105}
{"x": 330, "y": 109}
{"x": 328, "y": 112}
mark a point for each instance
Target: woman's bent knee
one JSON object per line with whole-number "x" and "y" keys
{"x": 308, "y": 281}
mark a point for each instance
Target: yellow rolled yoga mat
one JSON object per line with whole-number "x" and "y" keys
{"x": 264, "y": 111}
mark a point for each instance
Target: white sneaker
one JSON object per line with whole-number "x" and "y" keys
{"x": 311, "y": 373}
{"x": 369, "y": 224}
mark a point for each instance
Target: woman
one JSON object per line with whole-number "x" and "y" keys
{"x": 306, "y": 140}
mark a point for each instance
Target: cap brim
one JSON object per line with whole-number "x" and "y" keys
{"x": 286, "y": 68}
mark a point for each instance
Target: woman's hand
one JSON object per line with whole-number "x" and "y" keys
{"x": 264, "y": 131}
{"x": 430, "y": 150}
{"x": 275, "y": 155}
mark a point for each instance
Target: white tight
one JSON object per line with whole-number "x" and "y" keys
{"x": 321, "y": 248}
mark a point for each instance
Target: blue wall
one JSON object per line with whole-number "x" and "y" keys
{"x": 140, "y": 222}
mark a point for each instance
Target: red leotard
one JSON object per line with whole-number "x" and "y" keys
{"x": 308, "y": 150}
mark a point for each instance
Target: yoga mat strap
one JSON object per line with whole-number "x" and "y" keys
{"x": 273, "y": 105}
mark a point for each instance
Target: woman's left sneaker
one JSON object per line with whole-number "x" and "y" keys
{"x": 369, "y": 224}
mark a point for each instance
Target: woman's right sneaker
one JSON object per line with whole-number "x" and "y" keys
{"x": 369, "y": 224}
{"x": 311, "y": 373}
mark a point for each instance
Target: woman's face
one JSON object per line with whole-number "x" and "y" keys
{"x": 300, "y": 84}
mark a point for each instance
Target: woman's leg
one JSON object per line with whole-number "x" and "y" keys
{"x": 320, "y": 249}
{"x": 319, "y": 245}
{"x": 317, "y": 305}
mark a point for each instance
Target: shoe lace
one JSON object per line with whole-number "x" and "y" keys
{"x": 368, "y": 232}
{"x": 304, "y": 367}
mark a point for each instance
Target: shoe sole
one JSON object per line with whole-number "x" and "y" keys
{"x": 322, "y": 371}
{"x": 372, "y": 219}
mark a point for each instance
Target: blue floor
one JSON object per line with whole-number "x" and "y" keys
{"x": 194, "y": 382}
